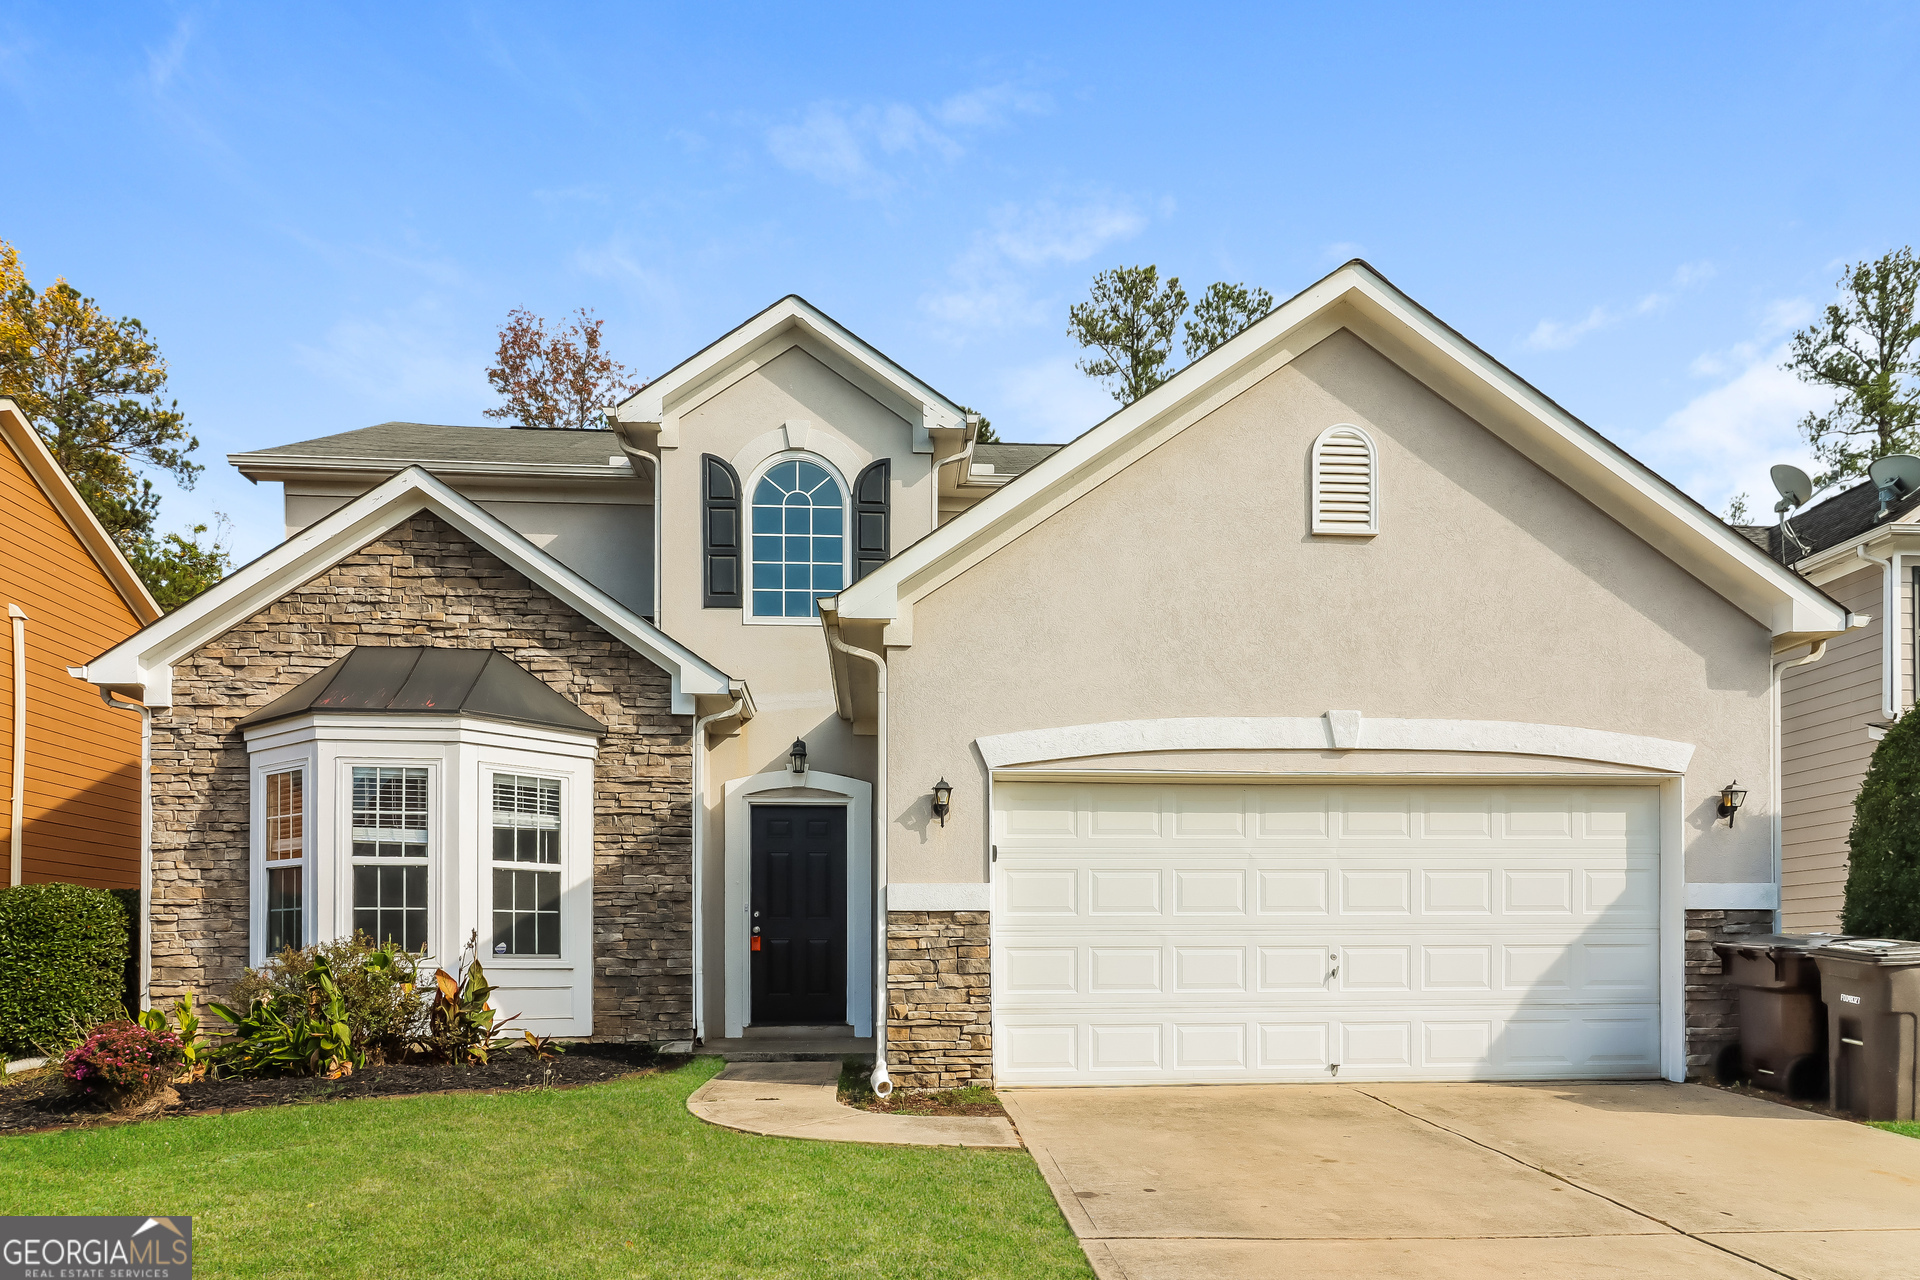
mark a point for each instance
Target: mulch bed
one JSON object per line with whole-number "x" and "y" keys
{"x": 946, "y": 1102}
{"x": 40, "y": 1100}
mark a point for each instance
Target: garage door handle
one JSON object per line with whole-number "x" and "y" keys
{"x": 1334, "y": 972}
{"x": 1859, "y": 1044}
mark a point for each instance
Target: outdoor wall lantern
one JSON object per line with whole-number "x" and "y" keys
{"x": 942, "y": 800}
{"x": 797, "y": 756}
{"x": 1731, "y": 798}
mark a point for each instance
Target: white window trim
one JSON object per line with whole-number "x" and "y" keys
{"x": 553, "y": 996}
{"x": 747, "y": 487}
{"x": 1343, "y": 529}
{"x": 261, "y": 764}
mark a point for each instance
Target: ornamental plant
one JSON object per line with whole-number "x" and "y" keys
{"x": 123, "y": 1063}
{"x": 1883, "y": 871}
{"x": 385, "y": 1013}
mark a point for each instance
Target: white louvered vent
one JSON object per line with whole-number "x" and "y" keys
{"x": 1346, "y": 482}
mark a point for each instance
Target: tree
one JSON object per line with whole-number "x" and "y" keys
{"x": 91, "y": 385}
{"x": 1883, "y": 869}
{"x": 1223, "y": 312}
{"x": 985, "y": 435}
{"x": 557, "y": 381}
{"x": 1863, "y": 348}
{"x": 1129, "y": 317}
{"x": 1737, "y": 512}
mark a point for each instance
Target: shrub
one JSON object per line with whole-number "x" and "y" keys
{"x": 123, "y": 1063}
{"x": 62, "y": 951}
{"x": 383, "y": 1012}
{"x": 302, "y": 1035}
{"x": 1883, "y": 874}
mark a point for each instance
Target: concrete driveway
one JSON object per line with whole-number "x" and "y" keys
{"x": 1437, "y": 1181}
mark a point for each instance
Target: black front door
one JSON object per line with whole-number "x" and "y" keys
{"x": 799, "y": 924}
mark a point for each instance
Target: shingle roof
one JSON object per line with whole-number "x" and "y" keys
{"x": 1847, "y": 514}
{"x": 474, "y": 682}
{"x": 430, "y": 442}
{"x": 1012, "y": 459}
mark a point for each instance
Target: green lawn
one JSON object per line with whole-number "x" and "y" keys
{"x": 1906, "y": 1128}
{"x": 609, "y": 1180}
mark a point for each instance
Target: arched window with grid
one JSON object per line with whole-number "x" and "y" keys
{"x": 799, "y": 539}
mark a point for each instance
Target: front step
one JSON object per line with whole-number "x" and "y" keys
{"x": 796, "y": 1031}
{"x": 788, "y": 1048}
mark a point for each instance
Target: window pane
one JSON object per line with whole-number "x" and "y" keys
{"x": 526, "y": 913}
{"x": 808, "y": 503}
{"x": 798, "y": 519}
{"x": 390, "y": 904}
{"x": 766, "y": 519}
{"x": 826, "y": 577}
{"x": 390, "y": 811}
{"x": 799, "y": 549}
{"x": 785, "y": 476}
{"x": 799, "y": 576}
{"x": 766, "y": 576}
{"x": 826, "y": 551}
{"x": 766, "y": 604}
{"x": 284, "y": 913}
{"x": 799, "y": 604}
{"x": 767, "y": 549}
{"x": 826, "y": 493}
{"x": 502, "y": 844}
{"x": 286, "y": 815}
{"x": 826, "y": 520}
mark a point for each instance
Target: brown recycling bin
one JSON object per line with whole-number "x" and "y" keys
{"x": 1783, "y": 1030}
{"x": 1872, "y": 990}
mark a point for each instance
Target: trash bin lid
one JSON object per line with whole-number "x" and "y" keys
{"x": 1887, "y": 951}
{"x": 1773, "y": 942}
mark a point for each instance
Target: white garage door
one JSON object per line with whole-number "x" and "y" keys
{"x": 1178, "y": 933}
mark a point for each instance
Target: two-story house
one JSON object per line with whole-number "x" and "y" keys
{"x": 1342, "y": 707}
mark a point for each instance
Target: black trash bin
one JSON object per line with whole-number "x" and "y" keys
{"x": 1783, "y": 1027}
{"x": 1872, "y": 990}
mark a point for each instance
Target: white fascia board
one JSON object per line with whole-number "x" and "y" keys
{"x": 792, "y": 321}
{"x": 386, "y": 728}
{"x": 1841, "y": 559}
{"x": 274, "y": 467}
{"x": 144, "y": 661}
{"x": 1359, "y": 299}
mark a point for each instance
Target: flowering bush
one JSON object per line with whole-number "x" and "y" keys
{"x": 122, "y": 1062}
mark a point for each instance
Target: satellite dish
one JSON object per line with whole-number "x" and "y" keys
{"x": 1794, "y": 486}
{"x": 1895, "y": 476}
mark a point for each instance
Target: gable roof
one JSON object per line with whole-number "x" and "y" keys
{"x": 474, "y": 682}
{"x": 1841, "y": 518}
{"x": 1011, "y": 459}
{"x": 1359, "y": 299}
{"x": 142, "y": 664}
{"x": 19, "y": 435}
{"x": 789, "y": 323}
{"x": 447, "y": 450}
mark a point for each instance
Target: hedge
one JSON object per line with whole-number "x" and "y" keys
{"x": 63, "y": 949}
{"x": 1883, "y": 871}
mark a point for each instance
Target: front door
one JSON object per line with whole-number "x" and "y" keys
{"x": 799, "y": 925}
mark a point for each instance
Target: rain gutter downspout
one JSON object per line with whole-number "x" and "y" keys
{"x": 144, "y": 925}
{"x": 973, "y": 433}
{"x": 699, "y": 817}
{"x": 636, "y": 455}
{"x": 879, "y": 1080}
{"x": 1889, "y": 631}
{"x": 1779, "y": 801}
{"x": 19, "y": 797}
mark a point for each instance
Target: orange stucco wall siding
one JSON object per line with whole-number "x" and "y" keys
{"x": 82, "y": 813}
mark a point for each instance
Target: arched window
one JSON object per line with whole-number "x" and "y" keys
{"x": 799, "y": 539}
{"x": 1346, "y": 482}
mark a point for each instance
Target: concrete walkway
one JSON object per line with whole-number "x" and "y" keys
{"x": 1438, "y": 1181}
{"x": 799, "y": 1100}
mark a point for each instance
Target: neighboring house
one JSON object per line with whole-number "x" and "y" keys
{"x": 1344, "y": 707}
{"x": 1834, "y": 711}
{"x": 69, "y": 764}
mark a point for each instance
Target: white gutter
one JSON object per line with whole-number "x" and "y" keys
{"x": 699, "y": 816}
{"x": 19, "y": 817}
{"x": 973, "y": 434}
{"x": 882, "y": 1084}
{"x": 142, "y": 926}
{"x": 1889, "y": 630}
{"x": 1777, "y": 751}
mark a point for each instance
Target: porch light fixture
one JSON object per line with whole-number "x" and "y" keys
{"x": 942, "y": 800}
{"x": 1731, "y": 798}
{"x": 797, "y": 756}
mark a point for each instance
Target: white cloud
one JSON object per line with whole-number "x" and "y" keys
{"x": 404, "y": 367}
{"x": 1047, "y": 401}
{"x": 991, "y": 106}
{"x": 164, "y": 63}
{"x": 1557, "y": 335}
{"x": 992, "y": 278}
{"x": 849, "y": 146}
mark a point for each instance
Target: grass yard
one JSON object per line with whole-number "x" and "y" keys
{"x": 607, "y": 1180}
{"x": 1906, "y": 1128}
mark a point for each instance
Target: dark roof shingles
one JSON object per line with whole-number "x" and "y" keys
{"x": 429, "y": 442}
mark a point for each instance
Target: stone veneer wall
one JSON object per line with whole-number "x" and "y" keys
{"x": 424, "y": 583}
{"x": 1713, "y": 1009}
{"x": 939, "y": 999}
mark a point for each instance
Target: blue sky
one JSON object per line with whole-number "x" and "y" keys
{"x": 324, "y": 213}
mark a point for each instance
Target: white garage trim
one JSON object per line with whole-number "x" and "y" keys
{"x": 1334, "y": 731}
{"x": 1757, "y": 896}
{"x": 780, "y": 786}
{"x": 1585, "y": 1011}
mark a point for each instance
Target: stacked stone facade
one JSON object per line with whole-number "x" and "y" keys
{"x": 425, "y": 583}
{"x": 939, "y": 999}
{"x": 1713, "y": 1007}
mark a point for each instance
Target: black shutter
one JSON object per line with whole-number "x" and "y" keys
{"x": 872, "y": 505}
{"x": 720, "y": 531}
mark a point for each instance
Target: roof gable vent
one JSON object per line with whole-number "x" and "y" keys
{"x": 1346, "y": 482}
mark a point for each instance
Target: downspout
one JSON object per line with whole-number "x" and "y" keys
{"x": 146, "y": 841}
{"x": 881, "y": 1083}
{"x": 1778, "y": 752}
{"x": 973, "y": 433}
{"x": 19, "y": 816}
{"x": 1889, "y": 631}
{"x": 699, "y": 826}
{"x": 635, "y": 456}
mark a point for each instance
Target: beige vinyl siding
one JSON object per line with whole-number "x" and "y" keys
{"x": 1825, "y": 709}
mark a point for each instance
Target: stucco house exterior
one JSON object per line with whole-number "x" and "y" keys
{"x": 69, "y": 760}
{"x": 1342, "y": 709}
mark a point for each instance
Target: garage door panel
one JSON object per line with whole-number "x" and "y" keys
{"x": 1168, "y": 932}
